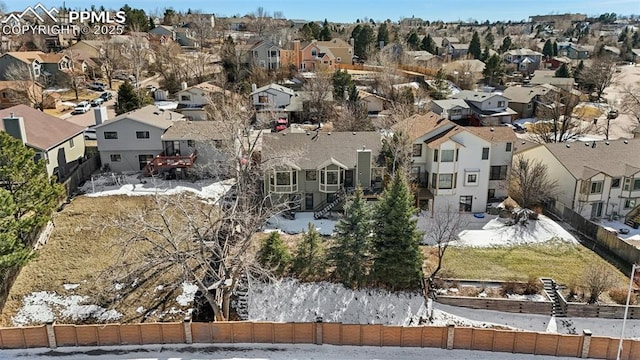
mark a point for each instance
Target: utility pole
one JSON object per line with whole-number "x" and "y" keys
{"x": 626, "y": 308}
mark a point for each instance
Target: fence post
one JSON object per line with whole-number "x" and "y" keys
{"x": 188, "y": 337}
{"x": 450, "y": 334}
{"x": 586, "y": 342}
{"x": 319, "y": 330}
{"x": 51, "y": 335}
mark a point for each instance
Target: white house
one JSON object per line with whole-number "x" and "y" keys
{"x": 192, "y": 100}
{"x": 595, "y": 179}
{"x": 488, "y": 108}
{"x": 130, "y": 141}
{"x": 462, "y": 167}
{"x": 271, "y": 97}
{"x": 455, "y": 109}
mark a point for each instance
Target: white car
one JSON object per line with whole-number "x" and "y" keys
{"x": 90, "y": 134}
{"x": 82, "y": 107}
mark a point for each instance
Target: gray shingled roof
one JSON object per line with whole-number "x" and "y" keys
{"x": 149, "y": 115}
{"x": 311, "y": 153}
{"x": 616, "y": 159}
{"x": 195, "y": 130}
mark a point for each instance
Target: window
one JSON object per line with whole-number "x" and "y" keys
{"x": 447, "y": 155}
{"x": 338, "y": 59}
{"x": 456, "y": 112}
{"x": 142, "y": 134}
{"x": 185, "y": 98}
{"x": 472, "y": 179}
{"x": 314, "y": 52}
{"x": 596, "y": 187}
{"x": 435, "y": 155}
{"x": 115, "y": 157}
{"x": 446, "y": 181}
{"x": 417, "y": 150}
{"x": 629, "y": 203}
{"x": 191, "y": 143}
{"x": 110, "y": 135}
{"x": 529, "y": 106}
{"x": 311, "y": 175}
{"x": 491, "y": 194}
{"x": 626, "y": 184}
{"x": 332, "y": 178}
{"x": 457, "y": 154}
{"x": 509, "y": 147}
{"x": 283, "y": 178}
{"x": 143, "y": 160}
{"x": 498, "y": 172}
{"x": 263, "y": 99}
{"x": 71, "y": 144}
{"x": 501, "y": 103}
{"x": 615, "y": 183}
{"x": 273, "y": 53}
{"x": 485, "y": 153}
{"x": 636, "y": 184}
{"x": 465, "y": 203}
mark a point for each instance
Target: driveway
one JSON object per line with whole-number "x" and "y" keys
{"x": 88, "y": 118}
{"x": 624, "y": 124}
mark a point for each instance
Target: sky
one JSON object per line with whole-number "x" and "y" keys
{"x": 378, "y": 10}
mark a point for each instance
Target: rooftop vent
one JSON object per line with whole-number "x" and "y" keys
{"x": 328, "y": 133}
{"x": 586, "y": 144}
{"x": 568, "y": 145}
{"x": 606, "y": 143}
{"x": 626, "y": 142}
{"x": 492, "y": 129}
{"x": 593, "y": 146}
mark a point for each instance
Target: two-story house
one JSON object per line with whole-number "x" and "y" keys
{"x": 452, "y": 109}
{"x": 60, "y": 143}
{"x": 457, "y": 166}
{"x": 193, "y": 100}
{"x": 57, "y": 68}
{"x": 30, "y": 61}
{"x": 526, "y": 60}
{"x": 264, "y": 54}
{"x": 271, "y": 97}
{"x": 525, "y": 100}
{"x": 575, "y": 52}
{"x": 319, "y": 167}
{"x": 316, "y": 53}
{"x": 489, "y": 109}
{"x": 595, "y": 179}
{"x": 130, "y": 141}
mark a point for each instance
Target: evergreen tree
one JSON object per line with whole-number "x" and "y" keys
{"x": 351, "y": 254}
{"x": 129, "y": 99}
{"x": 413, "y": 40}
{"x": 563, "y": 71}
{"x": 397, "y": 260}
{"x": 577, "y": 73}
{"x": 325, "y": 33}
{"x": 362, "y": 37}
{"x": 547, "y": 50}
{"x": 475, "y": 48}
{"x": 506, "y": 44}
{"x": 274, "y": 254}
{"x": 428, "y": 44}
{"x": 493, "y": 70}
{"x": 383, "y": 34}
{"x": 555, "y": 48}
{"x": 485, "y": 54}
{"x": 135, "y": 19}
{"x": 309, "y": 262}
{"x": 341, "y": 81}
{"x": 12, "y": 250}
{"x": 33, "y": 195}
{"x": 440, "y": 85}
{"x": 489, "y": 39}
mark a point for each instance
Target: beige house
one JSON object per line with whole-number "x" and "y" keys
{"x": 596, "y": 179}
{"x": 60, "y": 143}
{"x": 320, "y": 167}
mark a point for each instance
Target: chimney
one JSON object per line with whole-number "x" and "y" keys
{"x": 254, "y": 87}
{"x": 345, "y": 95}
{"x": 381, "y": 44}
{"x": 352, "y": 41}
{"x": 14, "y": 126}
{"x": 183, "y": 85}
{"x": 100, "y": 114}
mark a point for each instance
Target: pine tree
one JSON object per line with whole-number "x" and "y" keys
{"x": 33, "y": 194}
{"x": 383, "y": 34}
{"x": 555, "y": 48}
{"x": 397, "y": 260}
{"x": 563, "y": 71}
{"x": 309, "y": 262}
{"x": 127, "y": 98}
{"x": 428, "y": 44}
{"x": 485, "y": 54}
{"x": 341, "y": 81}
{"x": 493, "y": 70}
{"x": 274, "y": 254}
{"x": 325, "y": 33}
{"x": 12, "y": 250}
{"x": 547, "y": 50}
{"x": 351, "y": 254}
{"x": 475, "y": 48}
{"x": 413, "y": 40}
{"x": 506, "y": 44}
{"x": 440, "y": 85}
{"x": 489, "y": 39}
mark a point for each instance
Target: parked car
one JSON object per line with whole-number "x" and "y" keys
{"x": 97, "y": 86}
{"x": 97, "y": 102}
{"x": 106, "y": 96}
{"x": 281, "y": 124}
{"x": 90, "y": 134}
{"x": 612, "y": 114}
{"x": 151, "y": 88}
{"x": 81, "y": 108}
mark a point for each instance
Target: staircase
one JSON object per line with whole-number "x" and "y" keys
{"x": 340, "y": 196}
{"x": 633, "y": 221}
{"x": 551, "y": 289}
{"x": 242, "y": 298}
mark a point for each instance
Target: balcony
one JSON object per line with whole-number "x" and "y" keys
{"x": 163, "y": 163}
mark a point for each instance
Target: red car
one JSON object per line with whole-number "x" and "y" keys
{"x": 281, "y": 124}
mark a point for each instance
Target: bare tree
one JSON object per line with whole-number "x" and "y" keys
{"x": 597, "y": 278}
{"x": 353, "y": 116}
{"x": 210, "y": 245}
{"x": 110, "y": 61}
{"x": 27, "y": 88}
{"x": 442, "y": 231}
{"x": 631, "y": 102}
{"x": 318, "y": 90}
{"x": 559, "y": 119}
{"x": 530, "y": 182}
{"x": 261, "y": 21}
{"x": 168, "y": 63}
{"x": 600, "y": 75}
{"x": 75, "y": 77}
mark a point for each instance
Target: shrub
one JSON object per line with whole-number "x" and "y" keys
{"x": 532, "y": 286}
{"x": 619, "y": 296}
{"x": 509, "y": 287}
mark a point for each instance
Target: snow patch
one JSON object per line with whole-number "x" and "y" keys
{"x": 70, "y": 286}
{"x": 140, "y": 309}
{"x": 534, "y": 297}
{"x": 188, "y": 294}
{"x": 300, "y": 224}
{"x": 43, "y": 306}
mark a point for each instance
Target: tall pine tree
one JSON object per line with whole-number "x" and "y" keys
{"x": 351, "y": 253}
{"x": 309, "y": 262}
{"x": 397, "y": 260}
{"x": 547, "y": 50}
{"x": 475, "y": 48}
{"x": 428, "y": 44}
{"x": 12, "y": 249}
{"x": 274, "y": 254}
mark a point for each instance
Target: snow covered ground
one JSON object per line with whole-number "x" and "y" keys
{"x": 634, "y": 234}
{"x": 134, "y": 185}
{"x": 300, "y": 224}
{"x": 259, "y": 352}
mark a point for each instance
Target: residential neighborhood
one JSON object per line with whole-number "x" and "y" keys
{"x": 251, "y": 178}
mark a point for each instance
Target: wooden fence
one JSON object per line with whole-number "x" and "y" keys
{"x": 506, "y": 305}
{"x": 450, "y": 337}
{"x": 81, "y": 173}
